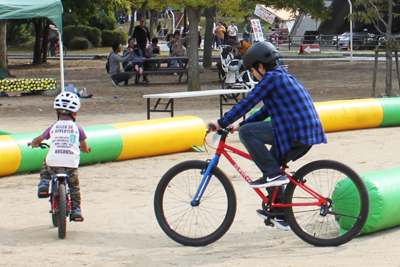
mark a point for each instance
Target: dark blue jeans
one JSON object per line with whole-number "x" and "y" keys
{"x": 254, "y": 136}
{"x": 121, "y": 77}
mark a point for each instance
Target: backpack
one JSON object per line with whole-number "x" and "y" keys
{"x": 108, "y": 63}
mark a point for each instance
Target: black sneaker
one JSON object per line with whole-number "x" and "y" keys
{"x": 43, "y": 189}
{"x": 115, "y": 82}
{"x": 270, "y": 181}
{"x": 279, "y": 222}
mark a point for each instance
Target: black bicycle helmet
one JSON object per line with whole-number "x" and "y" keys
{"x": 263, "y": 52}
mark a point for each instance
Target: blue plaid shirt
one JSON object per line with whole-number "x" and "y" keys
{"x": 290, "y": 107}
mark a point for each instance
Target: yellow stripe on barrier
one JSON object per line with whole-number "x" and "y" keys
{"x": 10, "y": 155}
{"x": 350, "y": 114}
{"x": 160, "y": 136}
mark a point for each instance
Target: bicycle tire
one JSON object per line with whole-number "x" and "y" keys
{"x": 347, "y": 193}
{"x": 62, "y": 211}
{"x": 180, "y": 220}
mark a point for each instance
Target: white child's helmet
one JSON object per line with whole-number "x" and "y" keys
{"x": 67, "y": 101}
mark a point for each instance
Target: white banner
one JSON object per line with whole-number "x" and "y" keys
{"x": 257, "y": 30}
{"x": 264, "y": 14}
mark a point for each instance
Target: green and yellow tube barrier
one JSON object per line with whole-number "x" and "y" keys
{"x": 358, "y": 114}
{"x": 384, "y": 211}
{"x": 119, "y": 141}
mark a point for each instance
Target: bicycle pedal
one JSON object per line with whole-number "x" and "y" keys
{"x": 77, "y": 219}
{"x": 268, "y": 223}
{"x": 43, "y": 195}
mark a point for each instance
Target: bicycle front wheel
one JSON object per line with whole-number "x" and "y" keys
{"x": 62, "y": 211}
{"x": 194, "y": 224}
{"x": 342, "y": 218}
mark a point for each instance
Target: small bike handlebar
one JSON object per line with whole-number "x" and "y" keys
{"x": 41, "y": 145}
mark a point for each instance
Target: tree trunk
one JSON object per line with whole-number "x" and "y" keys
{"x": 132, "y": 22}
{"x": 143, "y": 10}
{"x": 37, "y": 53}
{"x": 389, "y": 50}
{"x": 389, "y": 64}
{"x": 3, "y": 46}
{"x": 208, "y": 35}
{"x": 45, "y": 41}
{"x": 153, "y": 22}
{"x": 193, "y": 74}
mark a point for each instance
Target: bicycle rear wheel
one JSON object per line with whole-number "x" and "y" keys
{"x": 62, "y": 211}
{"x": 339, "y": 221}
{"x": 188, "y": 224}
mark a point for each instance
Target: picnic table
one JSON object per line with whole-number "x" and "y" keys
{"x": 224, "y": 100}
{"x": 162, "y": 65}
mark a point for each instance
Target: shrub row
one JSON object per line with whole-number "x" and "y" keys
{"x": 93, "y": 36}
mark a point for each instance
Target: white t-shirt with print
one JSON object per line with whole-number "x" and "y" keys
{"x": 232, "y": 30}
{"x": 65, "y": 138}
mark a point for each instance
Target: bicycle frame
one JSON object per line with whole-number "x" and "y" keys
{"x": 57, "y": 179}
{"x": 222, "y": 150}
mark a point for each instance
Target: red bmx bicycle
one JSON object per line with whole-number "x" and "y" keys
{"x": 326, "y": 203}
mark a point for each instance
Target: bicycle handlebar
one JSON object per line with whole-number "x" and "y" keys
{"x": 41, "y": 145}
{"x": 44, "y": 145}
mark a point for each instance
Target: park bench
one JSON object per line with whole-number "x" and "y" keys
{"x": 162, "y": 65}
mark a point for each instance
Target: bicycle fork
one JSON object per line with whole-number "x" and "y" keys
{"x": 206, "y": 172}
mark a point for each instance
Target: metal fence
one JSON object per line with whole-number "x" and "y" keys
{"x": 326, "y": 42}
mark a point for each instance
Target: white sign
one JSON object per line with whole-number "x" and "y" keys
{"x": 257, "y": 30}
{"x": 264, "y": 14}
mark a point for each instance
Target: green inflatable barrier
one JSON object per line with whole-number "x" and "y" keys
{"x": 383, "y": 189}
{"x": 391, "y": 107}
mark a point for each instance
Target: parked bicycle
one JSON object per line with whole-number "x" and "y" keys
{"x": 326, "y": 203}
{"x": 56, "y": 50}
{"x": 60, "y": 206}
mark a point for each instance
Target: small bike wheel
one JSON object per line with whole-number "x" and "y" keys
{"x": 346, "y": 212}
{"x": 202, "y": 223}
{"x": 62, "y": 211}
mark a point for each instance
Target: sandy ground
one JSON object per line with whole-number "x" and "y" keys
{"x": 120, "y": 228}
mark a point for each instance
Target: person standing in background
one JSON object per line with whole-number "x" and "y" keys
{"x": 142, "y": 35}
{"x": 225, "y": 33}
{"x": 233, "y": 31}
{"x": 199, "y": 30}
{"x": 248, "y": 30}
{"x": 159, "y": 31}
{"x": 219, "y": 32}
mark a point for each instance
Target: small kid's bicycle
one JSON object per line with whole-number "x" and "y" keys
{"x": 60, "y": 206}
{"x": 326, "y": 203}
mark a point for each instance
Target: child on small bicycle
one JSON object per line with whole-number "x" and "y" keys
{"x": 294, "y": 121}
{"x": 67, "y": 140}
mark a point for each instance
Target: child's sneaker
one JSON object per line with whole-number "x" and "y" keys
{"x": 270, "y": 181}
{"x": 43, "y": 189}
{"x": 76, "y": 215}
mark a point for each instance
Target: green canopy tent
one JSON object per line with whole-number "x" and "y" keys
{"x": 29, "y": 9}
